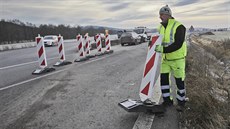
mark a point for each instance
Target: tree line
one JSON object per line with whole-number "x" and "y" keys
{"x": 15, "y": 31}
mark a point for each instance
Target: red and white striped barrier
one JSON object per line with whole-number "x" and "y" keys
{"x": 149, "y": 85}
{"x": 152, "y": 70}
{"x": 87, "y": 46}
{"x": 80, "y": 46}
{"x": 41, "y": 52}
{"x": 99, "y": 45}
{"x": 108, "y": 44}
{"x": 41, "y": 57}
{"x": 61, "y": 49}
{"x": 61, "y": 52}
{"x": 81, "y": 51}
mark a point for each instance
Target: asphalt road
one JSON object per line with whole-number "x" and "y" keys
{"x": 78, "y": 96}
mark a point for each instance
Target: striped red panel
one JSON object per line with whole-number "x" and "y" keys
{"x": 59, "y": 38}
{"x": 98, "y": 43}
{"x": 43, "y": 63}
{"x": 80, "y": 46}
{"x": 78, "y": 38}
{"x": 107, "y": 42}
{"x": 150, "y": 64}
{"x": 60, "y": 48}
{"x": 40, "y": 52}
{"x": 62, "y": 57}
{"x": 146, "y": 89}
{"x": 154, "y": 39}
{"x": 86, "y": 45}
{"x": 38, "y": 40}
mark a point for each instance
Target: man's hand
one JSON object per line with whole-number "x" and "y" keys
{"x": 150, "y": 42}
{"x": 159, "y": 48}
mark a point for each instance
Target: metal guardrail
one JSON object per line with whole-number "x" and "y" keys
{"x": 6, "y": 47}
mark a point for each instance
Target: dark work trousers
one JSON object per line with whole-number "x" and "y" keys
{"x": 166, "y": 91}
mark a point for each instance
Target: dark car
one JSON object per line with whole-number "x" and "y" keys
{"x": 130, "y": 38}
{"x": 119, "y": 33}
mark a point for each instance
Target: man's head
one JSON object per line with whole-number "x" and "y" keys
{"x": 165, "y": 13}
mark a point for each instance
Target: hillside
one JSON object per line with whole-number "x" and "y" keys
{"x": 15, "y": 31}
{"x": 207, "y": 83}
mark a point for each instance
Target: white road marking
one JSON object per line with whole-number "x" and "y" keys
{"x": 36, "y": 78}
{"x": 12, "y": 66}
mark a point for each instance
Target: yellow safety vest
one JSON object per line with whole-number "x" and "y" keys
{"x": 168, "y": 39}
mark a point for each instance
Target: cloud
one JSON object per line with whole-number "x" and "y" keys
{"x": 114, "y": 13}
{"x": 117, "y": 7}
{"x": 185, "y": 2}
{"x": 199, "y": 8}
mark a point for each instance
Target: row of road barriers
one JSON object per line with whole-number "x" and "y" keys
{"x": 83, "y": 46}
{"x": 148, "y": 102}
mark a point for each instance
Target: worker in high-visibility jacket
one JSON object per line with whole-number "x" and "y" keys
{"x": 173, "y": 51}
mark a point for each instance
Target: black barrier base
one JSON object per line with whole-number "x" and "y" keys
{"x": 81, "y": 59}
{"x": 108, "y": 52}
{"x": 90, "y": 56}
{"x": 42, "y": 71}
{"x": 100, "y": 54}
{"x": 139, "y": 106}
{"x": 62, "y": 63}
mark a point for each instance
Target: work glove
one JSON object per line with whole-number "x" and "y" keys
{"x": 150, "y": 42}
{"x": 159, "y": 48}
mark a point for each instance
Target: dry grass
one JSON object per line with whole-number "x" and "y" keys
{"x": 204, "y": 110}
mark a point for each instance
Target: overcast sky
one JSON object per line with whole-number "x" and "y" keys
{"x": 117, "y": 13}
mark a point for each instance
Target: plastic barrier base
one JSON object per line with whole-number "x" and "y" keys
{"x": 100, "y": 54}
{"x": 42, "y": 71}
{"x": 81, "y": 59}
{"x": 108, "y": 52}
{"x": 90, "y": 56}
{"x": 139, "y": 106}
{"x": 62, "y": 63}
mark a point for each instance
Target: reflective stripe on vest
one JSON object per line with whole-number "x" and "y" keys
{"x": 171, "y": 36}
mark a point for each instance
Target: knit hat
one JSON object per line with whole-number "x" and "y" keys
{"x": 165, "y": 10}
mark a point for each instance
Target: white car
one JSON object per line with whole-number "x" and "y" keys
{"x": 51, "y": 40}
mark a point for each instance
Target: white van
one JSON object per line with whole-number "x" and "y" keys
{"x": 141, "y": 31}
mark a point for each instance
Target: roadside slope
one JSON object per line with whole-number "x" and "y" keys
{"x": 207, "y": 85}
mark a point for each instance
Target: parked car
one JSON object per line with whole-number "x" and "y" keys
{"x": 119, "y": 33}
{"x": 51, "y": 40}
{"x": 130, "y": 38}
